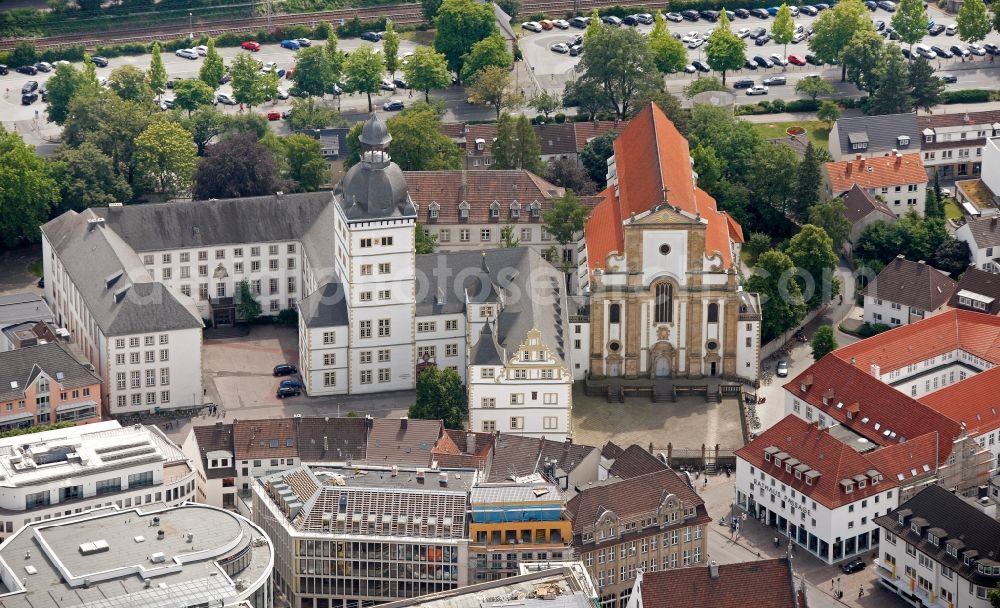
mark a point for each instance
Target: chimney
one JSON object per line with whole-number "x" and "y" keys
{"x": 470, "y": 442}
{"x": 279, "y": 197}
{"x": 848, "y": 168}
{"x": 713, "y": 570}
{"x": 921, "y": 262}
{"x": 876, "y": 370}
{"x": 993, "y": 222}
{"x": 402, "y": 422}
{"x": 899, "y": 159}
{"x": 858, "y": 156}
{"x": 895, "y": 152}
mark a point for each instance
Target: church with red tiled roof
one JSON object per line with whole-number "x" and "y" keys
{"x": 659, "y": 261}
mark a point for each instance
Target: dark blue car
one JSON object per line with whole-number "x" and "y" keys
{"x": 290, "y": 45}
{"x": 773, "y": 10}
{"x": 291, "y": 383}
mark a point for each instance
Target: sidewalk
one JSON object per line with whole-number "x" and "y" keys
{"x": 795, "y": 116}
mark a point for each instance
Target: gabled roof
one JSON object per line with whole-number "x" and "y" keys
{"x": 215, "y": 438}
{"x": 958, "y": 119}
{"x": 979, "y": 285}
{"x": 630, "y": 497}
{"x": 766, "y": 583}
{"x": 876, "y": 172}
{"x": 331, "y": 439}
{"x": 514, "y": 455}
{"x": 985, "y": 232}
{"x": 822, "y": 453}
{"x": 458, "y": 449}
{"x": 973, "y": 402}
{"x": 20, "y": 367}
{"x": 264, "y": 438}
{"x": 860, "y": 204}
{"x": 635, "y": 461}
{"x": 913, "y": 284}
{"x": 880, "y": 132}
{"x": 403, "y": 441}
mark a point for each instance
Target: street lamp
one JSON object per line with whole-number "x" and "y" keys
{"x": 191, "y": 26}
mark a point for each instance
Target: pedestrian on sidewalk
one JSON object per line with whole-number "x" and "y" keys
{"x": 861, "y": 591}
{"x": 777, "y": 543}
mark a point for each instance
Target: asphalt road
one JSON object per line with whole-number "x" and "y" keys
{"x": 552, "y": 70}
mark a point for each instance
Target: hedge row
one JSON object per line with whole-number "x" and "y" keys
{"x": 966, "y": 96}
{"x": 779, "y": 105}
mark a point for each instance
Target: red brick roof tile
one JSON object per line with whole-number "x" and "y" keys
{"x": 973, "y": 401}
{"x": 267, "y": 438}
{"x": 761, "y": 584}
{"x": 876, "y": 172}
{"x": 403, "y": 442}
{"x": 603, "y": 231}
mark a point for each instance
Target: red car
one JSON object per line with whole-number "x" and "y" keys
{"x": 274, "y": 115}
{"x": 251, "y": 45}
{"x": 796, "y": 60}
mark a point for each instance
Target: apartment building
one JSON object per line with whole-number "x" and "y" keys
{"x": 71, "y": 470}
{"x": 353, "y": 536}
{"x": 45, "y": 384}
{"x": 907, "y": 291}
{"x": 977, "y": 291}
{"x": 897, "y": 178}
{"x": 872, "y": 136}
{"x": 766, "y": 583}
{"x": 25, "y": 319}
{"x": 953, "y": 142}
{"x": 557, "y": 141}
{"x": 982, "y": 235}
{"x": 642, "y": 524}
{"x": 939, "y": 550}
{"x": 154, "y": 556}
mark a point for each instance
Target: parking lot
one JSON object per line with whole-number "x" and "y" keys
{"x": 552, "y": 70}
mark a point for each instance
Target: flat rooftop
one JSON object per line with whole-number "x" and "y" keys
{"x": 406, "y": 478}
{"x": 113, "y": 558}
{"x": 515, "y": 493}
{"x": 856, "y": 441}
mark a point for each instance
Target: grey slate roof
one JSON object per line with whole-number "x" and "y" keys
{"x": 859, "y": 204}
{"x": 180, "y": 225}
{"x": 879, "y": 131}
{"x": 23, "y": 365}
{"x": 517, "y": 455}
{"x": 325, "y": 307}
{"x": 913, "y": 284}
{"x": 117, "y": 289}
{"x": 982, "y": 283}
{"x": 20, "y": 307}
{"x": 985, "y": 232}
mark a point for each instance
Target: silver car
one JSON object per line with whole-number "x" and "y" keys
{"x": 187, "y": 53}
{"x": 782, "y": 370}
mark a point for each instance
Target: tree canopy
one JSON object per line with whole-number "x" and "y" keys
{"x": 910, "y": 22}
{"x": 812, "y": 252}
{"x": 493, "y": 86}
{"x": 418, "y": 144}
{"x": 363, "y": 72}
{"x": 461, "y": 24}
{"x": 440, "y": 396}
{"x": 212, "y": 67}
{"x": 27, "y": 191}
{"x": 566, "y": 219}
{"x": 780, "y": 297}
{"x": 973, "y": 21}
{"x": 725, "y": 51}
{"x": 824, "y": 342}
{"x": 834, "y": 29}
{"x": 618, "y": 62}
{"x": 236, "y": 166}
{"x": 427, "y": 69}
{"x": 490, "y": 51}
{"x": 667, "y": 52}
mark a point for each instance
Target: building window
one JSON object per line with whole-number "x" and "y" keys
{"x": 366, "y": 376}
{"x": 664, "y": 303}
{"x": 516, "y": 422}
{"x": 550, "y": 423}
{"x": 329, "y": 359}
{"x": 713, "y": 313}
{"x": 384, "y": 374}
{"x": 489, "y": 426}
{"x": 329, "y": 337}
{"x": 329, "y": 378}
{"x": 384, "y": 327}
{"x": 615, "y": 313}
{"x": 484, "y": 235}
{"x": 365, "y": 329}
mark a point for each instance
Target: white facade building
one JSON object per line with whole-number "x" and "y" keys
{"x": 982, "y": 235}
{"x": 906, "y": 291}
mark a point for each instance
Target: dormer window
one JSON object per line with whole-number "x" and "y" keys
{"x": 463, "y": 210}
{"x": 809, "y": 481}
{"x": 533, "y": 209}
{"x": 952, "y": 550}
{"x": 967, "y": 561}
{"x": 798, "y": 474}
{"x": 480, "y": 144}
{"x": 915, "y": 528}
{"x": 494, "y": 209}
{"x": 434, "y": 208}
{"x": 932, "y": 539}
{"x": 767, "y": 457}
{"x": 788, "y": 468}
{"x": 515, "y": 209}
{"x": 849, "y": 488}
{"x": 903, "y": 141}
{"x": 901, "y": 520}
{"x": 928, "y": 136}
{"x": 861, "y": 485}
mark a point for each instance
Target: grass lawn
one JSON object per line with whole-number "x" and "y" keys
{"x": 816, "y": 130}
{"x": 35, "y": 268}
{"x": 425, "y": 38}
{"x": 951, "y": 209}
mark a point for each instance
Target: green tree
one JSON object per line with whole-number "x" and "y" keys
{"x": 192, "y": 94}
{"x": 205, "y": 124}
{"x": 823, "y": 343}
{"x": 247, "y": 306}
{"x": 893, "y": 93}
{"x": 237, "y": 166}
{"x": 430, "y": 9}
{"x": 353, "y": 155}
{"x": 313, "y": 73}
{"x": 511, "y": 7}
{"x": 568, "y": 173}
{"x": 587, "y": 96}
{"x": 418, "y": 144}
{"x": 424, "y": 242}
{"x": 334, "y": 62}
{"x": 932, "y": 205}
{"x": 516, "y": 146}
{"x": 63, "y": 85}
{"x": 440, "y": 396}
{"x": 781, "y": 301}
{"x": 129, "y": 82}
{"x": 247, "y": 82}
{"x": 668, "y": 53}
{"x": 307, "y": 114}
{"x": 270, "y": 84}
{"x": 363, "y": 72}
{"x": 490, "y": 51}
{"x": 831, "y": 216}
{"x": 157, "y": 74}
{"x": 507, "y": 238}
{"x": 27, "y": 191}
{"x": 828, "y": 112}
{"x": 771, "y": 179}
{"x": 112, "y": 124}
{"x": 783, "y": 28}
{"x": 427, "y": 69}
{"x": 595, "y": 155}
{"x": 566, "y": 219}
{"x": 461, "y": 24}
{"x": 725, "y": 51}
{"x": 910, "y": 22}
{"x": 700, "y": 85}
{"x": 814, "y": 87}
{"x": 811, "y": 250}
{"x": 835, "y": 28}
{"x": 757, "y": 244}
{"x": 973, "y": 21}
{"x": 952, "y": 256}
{"x": 212, "y": 68}
{"x": 493, "y": 86}
{"x": 808, "y": 181}
{"x": 545, "y": 102}
{"x": 390, "y": 49}
{"x": 927, "y": 89}
{"x": 166, "y": 157}
{"x": 594, "y": 26}
{"x": 306, "y": 165}
{"x": 861, "y": 56}
{"x": 618, "y": 61}
{"x": 86, "y": 178}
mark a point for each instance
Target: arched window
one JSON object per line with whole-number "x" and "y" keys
{"x": 615, "y": 313}
{"x": 713, "y": 313}
{"x": 664, "y": 304}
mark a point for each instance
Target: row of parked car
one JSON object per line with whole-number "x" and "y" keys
{"x": 45, "y": 66}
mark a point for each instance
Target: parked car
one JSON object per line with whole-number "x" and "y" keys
{"x": 757, "y": 90}
{"x": 689, "y": 69}
{"x": 291, "y": 45}
{"x": 855, "y": 565}
{"x": 167, "y": 103}
{"x": 794, "y": 10}
{"x": 743, "y": 32}
{"x": 29, "y": 98}
{"x": 778, "y": 59}
{"x": 284, "y": 369}
{"x": 201, "y": 49}
{"x": 951, "y": 29}
{"x": 561, "y": 24}
{"x": 796, "y": 60}
{"x": 757, "y": 32}
{"x": 575, "y": 50}
{"x": 187, "y": 53}
{"x": 273, "y": 115}
{"x": 559, "y": 47}
{"x": 287, "y": 391}
{"x": 250, "y": 45}
{"x": 581, "y": 22}
{"x": 387, "y": 85}
{"x": 612, "y": 20}
{"x": 949, "y": 78}
{"x": 400, "y": 83}
{"x": 763, "y": 62}
{"x": 690, "y": 15}
{"x": 696, "y": 43}
{"x": 905, "y": 51}
{"x": 782, "y": 369}
{"x": 750, "y": 65}
{"x": 742, "y": 13}
{"x": 286, "y": 114}
{"x": 991, "y": 49}
{"x": 372, "y": 36}
{"x": 773, "y": 10}
{"x": 282, "y": 94}
{"x": 645, "y": 18}
{"x": 808, "y": 10}
{"x": 532, "y": 26}
{"x": 577, "y": 39}
{"x": 43, "y": 66}
{"x": 760, "y": 13}
{"x": 709, "y": 15}
{"x": 225, "y": 78}
{"x": 977, "y": 50}
{"x": 701, "y": 66}
{"x": 99, "y": 61}
{"x": 546, "y": 24}
{"x": 762, "y": 40}
{"x": 822, "y": 6}
{"x": 798, "y": 37}
{"x": 29, "y": 87}
{"x": 4, "y": 70}
{"x": 935, "y": 29}
{"x": 743, "y": 83}
{"x": 959, "y": 51}
{"x": 225, "y": 100}
{"x": 630, "y": 20}
{"x": 303, "y": 42}
{"x": 291, "y": 383}
{"x": 393, "y": 106}
{"x": 30, "y": 70}
{"x": 942, "y": 52}
{"x": 775, "y": 80}
{"x": 812, "y": 59}
{"x": 690, "y": 37}
{"x": 267, "y": 67}
{"x": 675, "y": 17}
{"x": 887, "y": 5}
{"x": 879, "y": 25}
